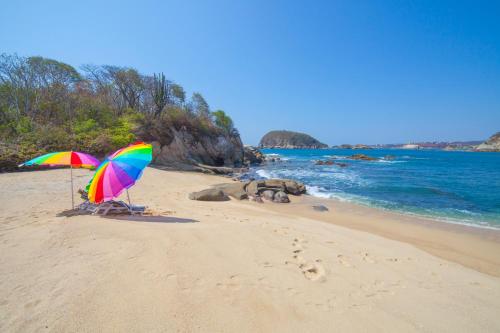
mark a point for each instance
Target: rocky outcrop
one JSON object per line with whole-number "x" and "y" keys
{"x": 183, "y": 147}
{"x": 275, "y": 190}
{"x": 492, "y": 144}
{"x": 330, "y": 162}
{"x": 289, "y": 139}
{"x": 252, "y": 156}
{"x": 362, "y": 157}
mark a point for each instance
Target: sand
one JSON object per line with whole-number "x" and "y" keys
{"x": 234, "y": 266}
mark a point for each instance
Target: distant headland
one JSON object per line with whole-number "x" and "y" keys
{"x": 290, "y": 140}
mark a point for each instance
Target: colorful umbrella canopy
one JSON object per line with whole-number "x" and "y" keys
{"x": 71, "y": 158}
{"x": 119, "y": 171}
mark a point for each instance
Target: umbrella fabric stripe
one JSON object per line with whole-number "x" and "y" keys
{"x": 135, "y": 162}
{"x": 75, "y": 159}
{"x": 122, "y": 169}
{"x": 93, "y": 191}
{"x": 41, "y": 159}
{"x": 130, "y": 170}
{"x": 107, "y": 186}
{"x": 123, "y": 181}
{"x": 116, "y": 185}
{"x": 99, "y": 190}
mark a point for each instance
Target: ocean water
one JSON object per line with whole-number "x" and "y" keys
{"x": 458, "y": 187}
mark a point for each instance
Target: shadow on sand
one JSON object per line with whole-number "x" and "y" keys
{"x": 151, "y": 219}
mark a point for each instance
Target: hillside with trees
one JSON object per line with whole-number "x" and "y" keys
{"x": 289, "y": 139}
{"x": 47, "y": 105}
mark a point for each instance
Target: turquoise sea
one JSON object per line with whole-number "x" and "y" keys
{"x": 458, "y": 187}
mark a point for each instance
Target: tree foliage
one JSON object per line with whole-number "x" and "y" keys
{"x": 47, "y": 105}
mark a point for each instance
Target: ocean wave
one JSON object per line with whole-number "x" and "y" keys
{"x": 264, "y": 174}
{"x": 389, "y": 161}
{"x": 336, "y": 157}
{"x": 318, "y": 191}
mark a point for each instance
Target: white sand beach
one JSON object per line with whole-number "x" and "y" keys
{"x": 235, "y": 266}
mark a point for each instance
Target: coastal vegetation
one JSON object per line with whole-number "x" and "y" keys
{"x": 47, "y": 105}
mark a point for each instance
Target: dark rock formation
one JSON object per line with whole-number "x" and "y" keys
{"x": 329, "y": 162}
{"x": 320, "y": 208}
{"x": 362, "y": 157}
{"x": 184, "y": 147}
{"x": 492, "y": 144}
{"x": 288, "y": 139}
{"x": 252, "y": 156}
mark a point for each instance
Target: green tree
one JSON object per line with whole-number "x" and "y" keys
{"x": 223, "y": 121}
{"x": 200, "y": 105}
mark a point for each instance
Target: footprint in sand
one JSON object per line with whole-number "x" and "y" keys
{"x": 343, "y": 260}
{"x": 313, "y": 271}
{"x": 267, "y": 264}
{"x": 366, "y": 257}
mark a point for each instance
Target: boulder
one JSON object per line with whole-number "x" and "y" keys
{"x": 256, "y": 199}
{"x": 268, "y": 195}
{"x": 253, "y": 187}
{"x": 211, "y": 194}
{"x": 288, "y": 186}
{"x": 281, "y": 197}
{"x": 294, "y": 187}
{"x": 235, "y": 190}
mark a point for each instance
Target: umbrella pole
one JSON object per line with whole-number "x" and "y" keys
{"x": 72, "y": 199}
{"x": 128, "y": 197}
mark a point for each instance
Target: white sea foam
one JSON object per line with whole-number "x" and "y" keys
{"x": 264, "y": 173}
{"x": 389, "y": 161}
{"x": 318, "y": 191}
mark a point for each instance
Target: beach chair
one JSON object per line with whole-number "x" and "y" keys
{"x": 109, "y": 207}
{"x": 118, "y": 208}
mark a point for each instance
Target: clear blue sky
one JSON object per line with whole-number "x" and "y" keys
{"x": 343, "y": 71}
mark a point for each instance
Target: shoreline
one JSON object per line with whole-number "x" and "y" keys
{"x": 436, "y": 218}
{"x": 442, "y": 239}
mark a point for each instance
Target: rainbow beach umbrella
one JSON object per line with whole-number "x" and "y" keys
{"x": 73, "y": 159}
{"x": 119, "y": 171}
